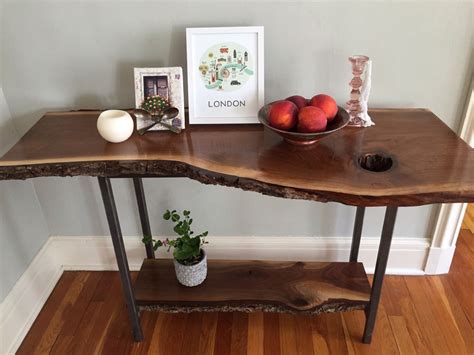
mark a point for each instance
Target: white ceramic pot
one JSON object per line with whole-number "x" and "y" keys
{"x": 115, "y": 126}
{"x": 191, "y": 275}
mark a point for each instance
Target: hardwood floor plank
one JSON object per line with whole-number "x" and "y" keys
{"x": 408, "y": 312}
{"x": 78, "y": 343}
{"x": 255, "y": 339}
{"x": 466, "y": 237}
{"x": 109, "y": 282}
{"x": 288, "y": 334}
{"x": 118, "y": 336}
{"x": 468, "y": 221}
{"x": 36, "y": 331}
{"x": 62, "y": 345}
{"x": 386, "y": 337}
{"x": 76, "y": 312}
{"x": 462, "y": 269}
{"x": 148, "y": 321}
{"x": 383, "y": 339}
{"x": 155, "y": 341}
{"x": 464, "y": 292}
{"x": 171, "y": 334}
{"x": 63, "y": 314}
{"x": 402, "y": 336}
{"x": 437, "y": 324}
{"x": 208, "y": 333}
{"x": 238, "y": 344}
{"x": 328, "y": 334}
{"x": 318, "y": 331}
{"x": 460, "y": 314}
{"x": 175, "y": 335}
{"x": 463, "y": 260}
{"x": 347, "y": 337}
{"x": 448, "y": 306}
{"x": 271, "y": 334}
{"x": 60, "y": 316}
{"x": 109, "y": 306}
{"x": 304, "y": 341}
{"x": 223, "y": 333}
{"x": 397, "y": 291}
{"x": 82, "y": 313}
{"x": 192, "y": 333}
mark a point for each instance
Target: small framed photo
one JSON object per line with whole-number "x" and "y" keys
{"x": 158, "y": 88}
{"x": 225, "y": 74}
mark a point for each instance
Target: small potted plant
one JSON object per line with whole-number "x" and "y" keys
{"x": 190, "y": 260}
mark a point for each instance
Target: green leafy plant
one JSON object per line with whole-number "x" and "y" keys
{"x": 187, "y": 247}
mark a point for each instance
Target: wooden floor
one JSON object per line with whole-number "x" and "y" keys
{"x": 468, "y": 221}
{"x": 418, "y": 315}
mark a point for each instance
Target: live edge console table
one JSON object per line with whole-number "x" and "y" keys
{"x": 409, "y": 158}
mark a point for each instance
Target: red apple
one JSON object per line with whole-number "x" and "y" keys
{"x": 325, "y": 103}
{"x": 298, "y": 100}
{"x": 311, "y": 119}
{"x": 283, "y": 115}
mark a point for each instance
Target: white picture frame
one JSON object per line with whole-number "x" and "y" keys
{"x": 166, "y": 82}
{"x": 225, "y": 74}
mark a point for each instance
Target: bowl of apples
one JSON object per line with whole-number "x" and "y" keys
{"x": 302, "y": 122}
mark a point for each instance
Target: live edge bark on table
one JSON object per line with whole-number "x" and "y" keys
{"x": 409, "y": 158}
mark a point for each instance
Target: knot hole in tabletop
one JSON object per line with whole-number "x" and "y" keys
{"x": 375, "y": 162}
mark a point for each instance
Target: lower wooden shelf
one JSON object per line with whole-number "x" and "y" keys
{"x": 240, "y": 285}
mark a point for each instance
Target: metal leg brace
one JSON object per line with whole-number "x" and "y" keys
{"x": 142, "y": 209}
{"x": 122, "y": 262}
{"x": 381, "y": 265}
{"x": 356, "y": 235}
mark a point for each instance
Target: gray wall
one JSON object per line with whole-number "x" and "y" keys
{"x": 23, "y": 229}
{"x": 81, "y": 54}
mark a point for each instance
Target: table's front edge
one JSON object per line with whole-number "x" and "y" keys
{"x": 146, "y": 168}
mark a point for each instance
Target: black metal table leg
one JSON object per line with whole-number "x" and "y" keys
{"x": 122, "y": 262}
{"x": 145, "y": 222}
{"x": 381, "y": 265}
{"x": 356, "y": 235}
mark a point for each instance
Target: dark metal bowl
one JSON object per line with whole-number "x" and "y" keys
{"x": 293, "y": 137}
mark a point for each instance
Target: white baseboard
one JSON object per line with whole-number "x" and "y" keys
{"x": 407, "y": 255}
{"x": 439, "y": 260}
{"x": 22, "y": 305}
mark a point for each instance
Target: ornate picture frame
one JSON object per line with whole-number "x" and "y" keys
{"x": 167, "y": 83}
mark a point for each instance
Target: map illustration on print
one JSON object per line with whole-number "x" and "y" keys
{"x": 226, "y": 67}
{"x": 225, "y": 74}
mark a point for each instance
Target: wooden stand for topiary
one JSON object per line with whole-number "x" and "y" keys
{"x": 409, "y": 158}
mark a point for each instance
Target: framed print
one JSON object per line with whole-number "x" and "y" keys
{"x": 225, "y": 74}
{"x": 156, "y": 88}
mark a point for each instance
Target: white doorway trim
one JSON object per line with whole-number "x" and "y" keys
{"x": 450, "y": 216}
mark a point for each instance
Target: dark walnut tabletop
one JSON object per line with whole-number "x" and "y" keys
{"x": 430, "y": 163}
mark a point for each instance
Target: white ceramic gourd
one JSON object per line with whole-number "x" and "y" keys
{"x": 115, "y": 126}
